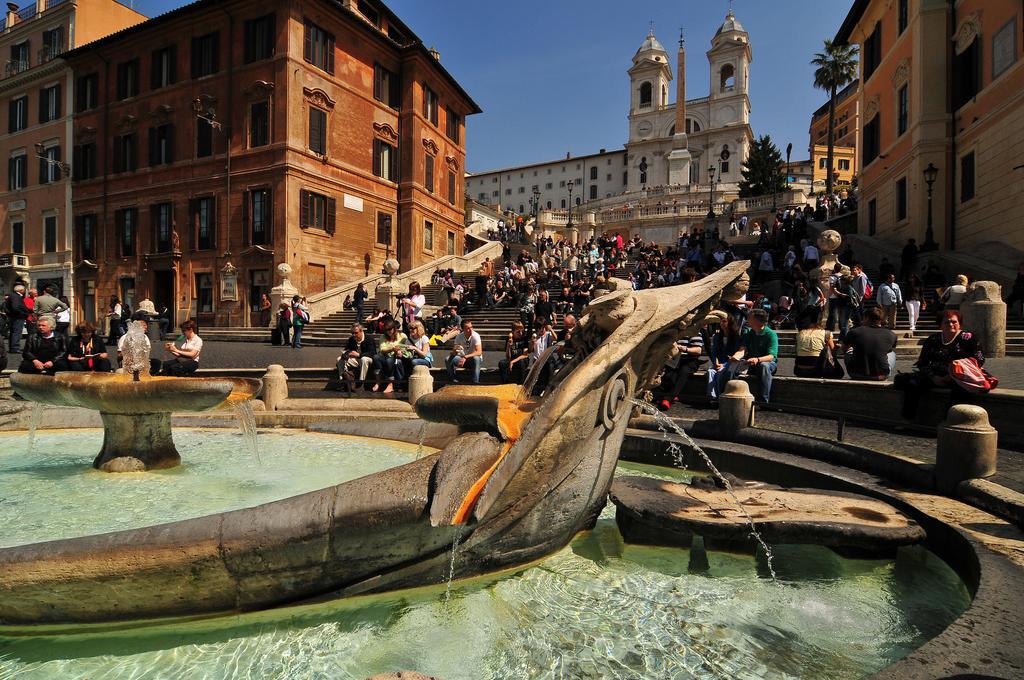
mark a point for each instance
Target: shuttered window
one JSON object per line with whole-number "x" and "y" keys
{"x": 205, "y": 55}
{"x": 161, "y": 144}
{"x": 318, "y": 47}
{"x": 317, "y": 131}
{"x": 316, "y": 211}
{"x": 259, "y": 38}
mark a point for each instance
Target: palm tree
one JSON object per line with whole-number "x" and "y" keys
{"x": 836, "y": 67}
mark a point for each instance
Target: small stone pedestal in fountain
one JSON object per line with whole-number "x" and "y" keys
{"x": 967, "y": 447}
{"x": 735, "y": 409}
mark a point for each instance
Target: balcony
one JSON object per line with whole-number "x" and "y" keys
{"x": 50, "y": 52}
{"x": 13, "y": 261}
{"x": 15, "y": 66}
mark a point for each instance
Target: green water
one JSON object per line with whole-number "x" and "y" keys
{"x": 596, "y": 609}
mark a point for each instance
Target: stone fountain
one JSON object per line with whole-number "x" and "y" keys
{"x": 530, "y": 468}
{"x": 135, "y": 406}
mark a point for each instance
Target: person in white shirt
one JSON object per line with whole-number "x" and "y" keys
{"x": 186, "y": 357}
{"x": 467, "y": 352}
{"x": 811, "y": 257}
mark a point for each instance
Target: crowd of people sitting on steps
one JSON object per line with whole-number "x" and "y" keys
{"x": 43, "y": 323}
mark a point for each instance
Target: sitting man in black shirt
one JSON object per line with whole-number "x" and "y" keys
{"x": 870, "y": 349}
{"x": 359, "y": 352}
{"x": 44, "y": 351}
{"x": 544, "y": 311}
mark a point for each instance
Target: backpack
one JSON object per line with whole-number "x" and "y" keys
{"x": 868, "y": 288}
{"x": 301, "y": 317}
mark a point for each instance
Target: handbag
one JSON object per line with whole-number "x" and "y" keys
{"x": 828, "y": 367}
{"x": 971, "y": 377}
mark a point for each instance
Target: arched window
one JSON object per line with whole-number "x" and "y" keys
{"x": 645, "y": 95}
{"x": 692, "y": 126}
{"x": 728, "y": 78}
{"x": 521, "y": 211}
{"x": 563, "y": 204}
{"x": 672, "y": 131}
{"x": 577, "y": 200}
{"x": 549, "y": 205}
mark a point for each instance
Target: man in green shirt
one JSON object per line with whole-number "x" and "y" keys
{"x": 758, "y": 354}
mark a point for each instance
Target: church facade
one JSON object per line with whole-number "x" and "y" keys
{"x": 670, "y": 146}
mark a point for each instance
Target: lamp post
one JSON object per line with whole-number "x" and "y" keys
{"x": 711, "y": 202}
{"x": 568, "y": 224}
{"x": 930, "y": 173}
{"x": 41, "y": 154}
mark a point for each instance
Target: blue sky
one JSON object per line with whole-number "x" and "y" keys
{"x": 551, "y": 75}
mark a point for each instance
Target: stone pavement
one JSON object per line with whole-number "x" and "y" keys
{"x": 226, "y": 354}
{"x": 912, "y": 445}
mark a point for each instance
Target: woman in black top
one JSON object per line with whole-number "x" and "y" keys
{"x": 932, "y": 367}
{"x": 85, "y": 352}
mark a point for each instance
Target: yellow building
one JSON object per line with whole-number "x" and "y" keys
{"x": 844, "y": 163}
{"x": 941, "y": 94}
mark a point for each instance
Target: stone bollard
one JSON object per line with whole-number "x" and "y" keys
{"x": 275, "y": 386}
{"x": 420, "y": 383}
{"x": 966, "y": 448}
{"x": 984, "y": 314}
{"x": 735, "y": 409}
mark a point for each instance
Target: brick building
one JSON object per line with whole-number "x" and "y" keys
{"x": 35, "y": 198}
{"x": 942, "y": 85}
{"x": 845, "y": 147}
{"x": 224, "y": 138}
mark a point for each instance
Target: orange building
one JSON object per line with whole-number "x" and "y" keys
{"x": 844, "y": 151}
{"x": 942, "y": 85}
{"x": 35, "y": 87}
{"x": 226, "y": 138}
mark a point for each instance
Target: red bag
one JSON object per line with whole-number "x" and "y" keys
{"x": 971, "y": 377}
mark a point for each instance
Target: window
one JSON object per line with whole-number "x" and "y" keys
{"x": 608, "y": 177}
{"x": 86, "y": 92}
{"x": 560, "y": 184}
{"x": 316, "y": 211}
{"x": 204, "y": 138}
{"x": 161, "y": 144}
{"x": 49, "y": 103}
{"x": 508, "y": 192}
{"x": 258, "y": 204}
{"x": 17, "y": 114}
{"x": 872, "y": 218}
{"x": 317, "y": 131}
{"x": 259, "y": 124}
{"x": 872, "y": 52}
{"x": 162, "y": 220}
{"x": 593, "y": 173}
{"x": 124, "y": 153}
{"x": 625, "y": 178}
{"x": 125, "y": 221}
{"x": 386, "y": 87}
{"x": 1004, "y": 48}
{"x": 87, "y": 237}
{"x": 429, "y": 104}
{"x": 724, "y": 168}
{"x": 20, "y": 60}
{"x": 593, "y": 191}
{"x": 549, "y": 205}
{"x": 967, "y": 177}
{"x": 17, "y": 172}
{"x": 901, "y": 199}
{"x": 205, "y": 55}
{"x": 84, "y": 162}
{"x": 202, "y": 212}
{"x": 522, "y": 190}
{"x": 821, "y": 162}
{"x": 645, "y": 95}
{"x": 451, "y": 242}
{"x": 259, "y": 38}
{"x": 53, "y": 44}
{"x": 385, "y": 160}
{"x": 871, "y": 141}
{"x": 967, "y": 74}
{"x": 563, "y": 204}
{"x": 428, "y": 235}
{"x": 727, "y": 80}
{"x": 128, "y": 79}
{"x": 49, "y": 170}
{"x": 579, "y": 181}
{"x": 318, "y": 47}
{"x": 50, "y": 234}
{"x": 163, "y": 67}
{"x": 844, "y": 163}
{"x": 204, "y": 293}
{"x": 453, "y": 187}
{"x": 902, "y": 109}
{"x": 367, "y": 10}
{"x": 384, "y": 228}
{"x": 903, "y": 16}
{"x": 428, "y": 173}
{"x": 18, "y": 238}
{"x": 452, "y": 123}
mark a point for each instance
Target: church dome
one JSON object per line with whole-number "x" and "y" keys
{"x": 731, "y": 23}
{"x": 650, "y": 49}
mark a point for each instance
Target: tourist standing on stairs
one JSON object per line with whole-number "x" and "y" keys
{"x": 890, "y": 297}
{"x": 913, "y": 298}
{"x": 300, "y": 317}
{"x": 908, "y": 260}
{"x": 1017, "y": 291}
{"x": 359, "y": 301}
{"x": 18, "y": 313}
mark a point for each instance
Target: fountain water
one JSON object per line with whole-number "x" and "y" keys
{"x": 33, "y": 425}
{"x": 247, "y": 425}
{"x": 135, "y": 351}
{"x": 423, "y": 436}
{"x": 665, "y": 421}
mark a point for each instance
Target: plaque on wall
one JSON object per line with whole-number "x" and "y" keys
{"x": 1004, "y": 47}
{"x": 229, "y": 283}
{"x": 353, "y": 203}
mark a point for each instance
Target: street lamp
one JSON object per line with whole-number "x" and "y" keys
{"x": 711, "y": 203}
{"x": 930, "y": 173}
{"x": 568, "y": 224}
{"x": 41, "y": 154}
